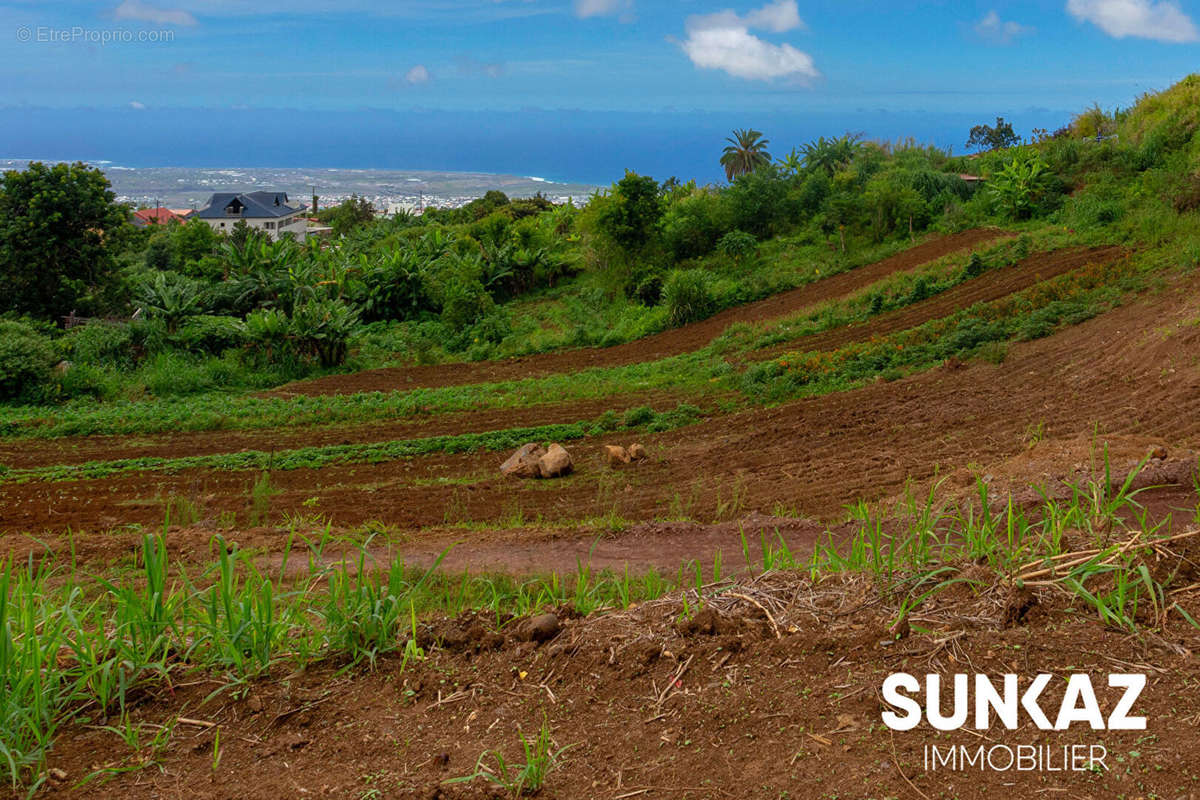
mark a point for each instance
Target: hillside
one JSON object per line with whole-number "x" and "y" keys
{"x": 906, "y": 424}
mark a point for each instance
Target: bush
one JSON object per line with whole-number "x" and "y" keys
{"x": 649, "y": 291}
{"x": 760, "y": 202}
{"x": 99, "y": 343}
{"x": 320, "y": 329}
{"x": 171, "y": 298}
{"x": 737, "y": 245}
{"x": 464, "y": 303}
{"x": 209, "y": 334}
{"x": 88, "y": 380}
{"x": 26, "y": 362}
{"x": 688, "y": 296}
{"x": 174, "y": 374}
{"x": 636, "y": 417}
{"x": 693, "y": 224}
{"x": 970, "y": 333}
{"x": 493, "y": 328}
{"x": 975, "y": 266}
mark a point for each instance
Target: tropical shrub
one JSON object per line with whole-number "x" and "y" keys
{"x": 693, "y": 223}
{"x": 1019, "y": 184}
{"x": 171, "y": 298}
{"x": 267, "y": 329}
{"x": 210, "y": 334}
{"x": 737, "y": 245}
{"x": 26, "y": 362}
{"x": 320, "y": 330}
{"x": 688, "y": 296}
{"x": 99, "y": 343}
{"x": 464, "y": 303}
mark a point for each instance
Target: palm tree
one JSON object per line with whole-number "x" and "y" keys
{"x": 746, "y": 152}
{"x": 831, "y": 155}
{"x": 792, "y": 163}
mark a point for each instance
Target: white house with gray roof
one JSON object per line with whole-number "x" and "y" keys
{"x": 268, "y": 212}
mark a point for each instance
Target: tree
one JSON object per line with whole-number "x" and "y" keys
{"x": 793, "y": 163}
{"x": 630, "y": 217}
{"x": 193, "y": 240}
{"x": 354, "y": 212}
{"x": 746, "y": 152}
{"x": 831, "y": 155}
{"x": 58, "y": 228}
{"x": 993, "y": 137}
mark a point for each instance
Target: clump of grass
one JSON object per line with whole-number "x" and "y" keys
{"x": 261, "y": 494}
{"x": 520, "y": 779}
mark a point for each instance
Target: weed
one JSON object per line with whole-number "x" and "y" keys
{"x": 519, "y": 779}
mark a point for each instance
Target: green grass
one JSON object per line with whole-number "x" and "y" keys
{"x": 367, "y": 453}
{"x": 681, "y": 374}
{"x": 936, "y": 545}
{"x": 980, "y": 331}
{"x": 75, "y": 646}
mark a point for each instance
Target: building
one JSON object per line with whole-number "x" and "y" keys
{"x": 145, "y": 217}
{"x": 268, "y": 212}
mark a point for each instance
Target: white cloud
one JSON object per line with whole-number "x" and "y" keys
{"x": 136, "y": 9}
{"x": 776, "y": 17}
{"x": 723, "y": 41}
{"x": 416, "y": 75}
{"x": 137, "y": 106}
{"x": 994, "y": 29}
{"x": 1144, "y": 19}
{"x": 604, "y": 8}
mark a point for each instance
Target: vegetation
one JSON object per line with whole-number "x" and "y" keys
{"x": 370, "y": 453}
{"x": 992, "y": 137}
{"x": 198, "y": 321}
{"x": 59, "y": 226}
{"x": 746, "y": 152}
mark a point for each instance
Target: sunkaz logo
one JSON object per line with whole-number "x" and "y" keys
{"x": 1006, "y": 702}
{"x": 1079, "y": 704}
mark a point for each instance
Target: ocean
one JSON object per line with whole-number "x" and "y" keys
{"x": 575, "y": 147}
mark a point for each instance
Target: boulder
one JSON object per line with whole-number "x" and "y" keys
{"x": 637, "y": 452}
{"x": 615, "y": 455}
{"x": 541, "y": 628}
{"x": 524, "y": 462}
{"x": 555, "y": 463}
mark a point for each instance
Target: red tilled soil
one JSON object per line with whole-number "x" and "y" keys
{"x": 770, "y": 691}
{"x": 30, "y": 453}
{"x": 651, "y": 348}
{"x": 990, "y": 286}
{"x": 1130, "y": 373}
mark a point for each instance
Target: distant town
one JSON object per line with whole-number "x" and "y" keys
{"x": 185, "y": 190}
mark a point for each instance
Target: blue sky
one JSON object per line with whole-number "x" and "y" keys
{"x": 573, "y": 90}
{"x": 626, "y": 55}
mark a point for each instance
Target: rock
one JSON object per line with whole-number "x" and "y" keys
{"x": 541, "y": 628}
{"x": 556, "y": 462}
{"x": 1158, "y": 453}
{"x": 616, "y": 455}
{"x": 637, "y": 452}
{"x": 57, "y": 775}
{"x": 524, "y": 462}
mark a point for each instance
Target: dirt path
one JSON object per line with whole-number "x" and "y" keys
{"x": 651, "y": 348}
